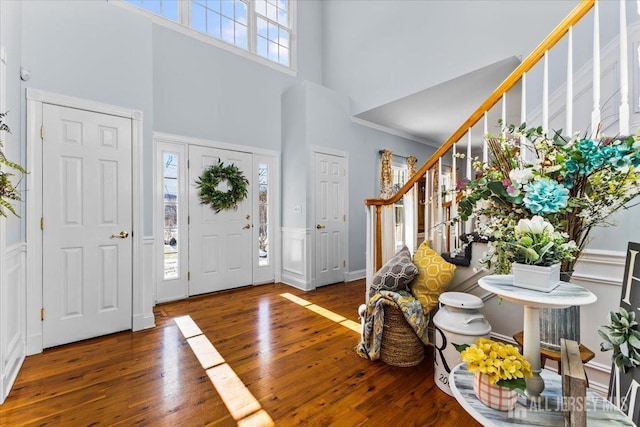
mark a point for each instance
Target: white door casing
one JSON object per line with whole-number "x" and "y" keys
{"x": 87, "y": 223}
{"x": 330, "y": 217}
{"x": 220, "y": 244}
{"x": 142, "y": 299}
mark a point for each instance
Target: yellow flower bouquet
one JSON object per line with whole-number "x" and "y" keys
{"x": 502, "y": 363}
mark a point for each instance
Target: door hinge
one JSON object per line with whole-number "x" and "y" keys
{"x": 41, "y": 223}
{"x": 344, "y": 218}
{"x": 188, "y": 164}
{"x": 42, "y": 313}
{"x": 188, "y": 219}
{"x": 42, "y": 132}
{"x": 344, "y": 263}
{"x": 188, "y": 276}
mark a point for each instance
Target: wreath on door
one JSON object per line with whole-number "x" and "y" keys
{"x": 209, "y": 182}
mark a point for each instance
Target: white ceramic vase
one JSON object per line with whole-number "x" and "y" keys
{"x": 535, "y": 277}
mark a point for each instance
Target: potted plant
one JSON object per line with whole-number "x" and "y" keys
{"x": 621, "y": 336}
{"x": 538, "y": 251}
{"x": 499, "y": 372}
{"x": 8, "y": 191}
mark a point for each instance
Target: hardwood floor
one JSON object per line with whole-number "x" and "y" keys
{"x": 300, "y": 366}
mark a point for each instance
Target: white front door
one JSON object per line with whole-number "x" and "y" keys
{"x": 330, "y": 216}
{"x": 220, "y": 244}
{"x": 87, "y": 222}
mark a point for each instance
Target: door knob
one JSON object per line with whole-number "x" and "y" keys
{"x": 246, "y": 227}
{"x": 121, "y": 235}
{"x": 320, "y": 227}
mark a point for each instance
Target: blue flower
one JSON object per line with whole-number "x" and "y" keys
{"x": 545, "y": 196}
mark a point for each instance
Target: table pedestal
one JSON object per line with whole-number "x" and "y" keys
{"x": 531, "y": 350}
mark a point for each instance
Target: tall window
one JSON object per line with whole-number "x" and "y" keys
{"x": 400, "y": 174}
{"x": 273, "y": 30}
{"x": 262, "y": 27}
{"x": 263, "y": 214}
{"x": 225, "y": 20}
{"x": 170, "y": 198}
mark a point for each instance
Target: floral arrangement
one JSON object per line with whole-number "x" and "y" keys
{"x": 502, "y": 362}
{"x": 537, "y": 243}
{"x": 8, "y": 190}
{"x": 574, "y": 183}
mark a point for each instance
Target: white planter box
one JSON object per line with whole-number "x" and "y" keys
{"x": 544, "y": 279}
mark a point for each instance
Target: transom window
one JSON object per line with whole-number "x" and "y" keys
{"x": 262, "y": 27}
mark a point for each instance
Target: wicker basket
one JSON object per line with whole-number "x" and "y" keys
{"x": 400, "y": 345}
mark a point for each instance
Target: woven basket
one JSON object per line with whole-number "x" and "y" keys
{"x": 400, "y": 345}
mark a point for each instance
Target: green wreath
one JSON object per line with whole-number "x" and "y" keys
{"x": 208, "y": 183}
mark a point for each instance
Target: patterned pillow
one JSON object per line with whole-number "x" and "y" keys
{"x": 395, "y": 275}
{"x": 434, "y": 275}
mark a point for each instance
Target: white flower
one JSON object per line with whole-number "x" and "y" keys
{"x": 535, "y": 225}
{"x": 521, "y": 176}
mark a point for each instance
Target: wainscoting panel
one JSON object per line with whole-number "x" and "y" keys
{"x": 296, "y": 250}
{"x": 12, "y": 318}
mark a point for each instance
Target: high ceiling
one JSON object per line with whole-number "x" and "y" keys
{"x": 432, "y": 115}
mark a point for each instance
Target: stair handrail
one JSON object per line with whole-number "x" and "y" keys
{"x": 512, "y": 79}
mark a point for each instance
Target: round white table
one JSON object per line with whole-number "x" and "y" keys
{"x": 565, "y": 295}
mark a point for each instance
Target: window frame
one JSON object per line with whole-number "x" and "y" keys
{"x": 183, "y": 26}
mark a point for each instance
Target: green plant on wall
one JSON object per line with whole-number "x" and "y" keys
{"x": 622, "y": 336}
{"x": 8, "y": 191}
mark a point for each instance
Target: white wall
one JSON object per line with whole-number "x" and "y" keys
{"x": 94, "y": 51}
{"x": 379, "y": 51}
{"x": 10, "y": 39}
{"x": 317, "y": 116}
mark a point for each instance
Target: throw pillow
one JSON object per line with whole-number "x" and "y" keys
{"x": 395, "y": 274}
{"x": 434, "y": 276}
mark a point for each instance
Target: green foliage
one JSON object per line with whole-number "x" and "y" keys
{"x": 212, "y": 177}
{"x": 622, "y": 336}
{"x": 8, "y": 190}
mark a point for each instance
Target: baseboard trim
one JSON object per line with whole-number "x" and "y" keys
{"x": 295, "y": 282}
{"x": 143, "y": 321}
{"x": 351, "y": 276}
{"x": 34, "y": 344}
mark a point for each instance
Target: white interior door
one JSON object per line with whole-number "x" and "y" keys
{"x": 329, "y": 207}
{"x": 87, "y": 219}
{"x": 220, "y": 244}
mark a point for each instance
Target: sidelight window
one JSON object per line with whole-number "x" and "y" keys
{"x": 263, "y": 215}
{"x": 170, "y": 202}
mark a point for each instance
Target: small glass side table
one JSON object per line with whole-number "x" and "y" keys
{"x": 565, "y": 295}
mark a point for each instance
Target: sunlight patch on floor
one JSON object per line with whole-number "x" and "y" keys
{"x": 335, "y": 317}
{"x": 187, "y": 326}
{"x": 242, "y": 405}
{"x": 297, "y": 300}
{"x": 235, "y": 395}
{"x": 260, "y": 418}
{"x": 206, "y": 353}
